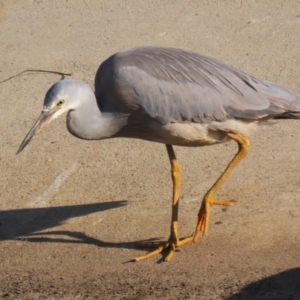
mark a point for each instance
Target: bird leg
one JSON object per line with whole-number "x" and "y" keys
{"x": 208, "y": 200}
{"x": 174, "y": 241}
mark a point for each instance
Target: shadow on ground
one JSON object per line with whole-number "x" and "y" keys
{"x": 30, "y": 225}
{"x": 282, "y": 286}
{"x": 27, "y": 223}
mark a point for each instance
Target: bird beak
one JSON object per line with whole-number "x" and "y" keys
{"x": 43, "y": 120}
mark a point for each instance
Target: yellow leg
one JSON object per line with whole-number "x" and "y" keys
{"x": 173, "y": 241}
{"x": 208, "y": 200}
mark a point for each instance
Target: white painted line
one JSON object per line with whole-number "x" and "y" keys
{"x": 190, "y": 200}
{"x": 261, "y": 20}
{"x": 43, "y": 199}
{"x": 98, "y": 221}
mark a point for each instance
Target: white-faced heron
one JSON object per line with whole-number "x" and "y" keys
{"x": 173, "y": 97}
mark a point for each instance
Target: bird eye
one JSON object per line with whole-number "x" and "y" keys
{"x": 60, "y": 102}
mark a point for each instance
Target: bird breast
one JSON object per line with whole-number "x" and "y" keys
{"x": 195, "y": 134}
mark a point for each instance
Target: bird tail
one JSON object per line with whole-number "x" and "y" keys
{"x": 289, "y": 115}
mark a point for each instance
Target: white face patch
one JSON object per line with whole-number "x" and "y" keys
{"x": 59, "y": 112}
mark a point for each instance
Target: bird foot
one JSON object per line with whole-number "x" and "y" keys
{"x": 161, "y": 246}
{"x": 204, "y": 214}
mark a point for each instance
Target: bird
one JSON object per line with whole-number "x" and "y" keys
{"x": 172, "y": 97}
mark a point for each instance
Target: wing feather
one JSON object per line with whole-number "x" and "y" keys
{"x": 173, "y": 85}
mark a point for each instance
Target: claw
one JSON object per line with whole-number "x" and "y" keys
{"x": 203, "y": 217}
{"x": 172, "y": 246}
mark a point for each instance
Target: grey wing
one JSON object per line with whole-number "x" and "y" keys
{"x": 172, "y": 85}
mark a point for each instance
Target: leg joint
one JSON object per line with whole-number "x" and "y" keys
{"x": 243, "y": 142}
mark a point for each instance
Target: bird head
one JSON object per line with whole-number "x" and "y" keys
{"x": 63, "y": 96}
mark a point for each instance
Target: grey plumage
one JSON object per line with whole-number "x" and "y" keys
{"x": 172, "y": 97}
{"x": 172, "y": 85}
{"x": 142, "y": 92}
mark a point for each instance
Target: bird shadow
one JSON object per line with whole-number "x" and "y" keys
{"x": 27, "y": 224}
{"x": 282, "y": 286}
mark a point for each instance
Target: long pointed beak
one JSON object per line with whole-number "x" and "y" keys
{"x": 43, "y": 120}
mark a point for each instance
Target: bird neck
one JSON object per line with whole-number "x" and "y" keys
{"x": 89, "y": 123}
